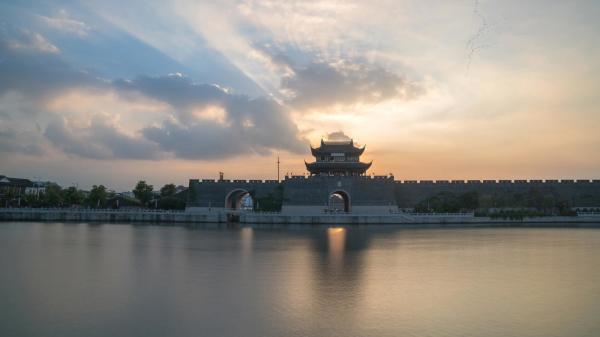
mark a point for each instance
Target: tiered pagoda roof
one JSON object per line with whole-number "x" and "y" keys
{"x": 328, "y": 147}
{"x": 337, "y": 158}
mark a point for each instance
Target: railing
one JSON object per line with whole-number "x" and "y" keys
{"x": 460, "y": 214}
{"x": 588, "y": 213}
{"x": 88, "y": 210}
{"x": 247, "y": 211}
{"x": 338, "y": 213}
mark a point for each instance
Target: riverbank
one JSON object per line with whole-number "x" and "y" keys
{"x": 149, "y": 216}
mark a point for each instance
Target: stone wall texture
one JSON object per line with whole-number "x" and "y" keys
{"x": 583, "y": 193}
{"x": 383, "y": 191}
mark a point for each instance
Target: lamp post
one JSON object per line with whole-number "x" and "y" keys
{"x": 278, "y": 168}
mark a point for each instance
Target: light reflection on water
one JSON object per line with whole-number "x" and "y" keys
{"x": 124, "y": 280}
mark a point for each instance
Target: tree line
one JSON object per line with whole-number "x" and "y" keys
{"x": 53, "y": 195}
{"x": 534, "y": 202}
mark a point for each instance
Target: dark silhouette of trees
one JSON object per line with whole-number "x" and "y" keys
{"x": 143, "y": 192}
{"x": 168, "y": 190}
{"x": 97, "y": 196}
{"x": 72, "y": 196}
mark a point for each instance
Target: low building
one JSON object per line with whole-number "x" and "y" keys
{"x": 37, "y": 188}
{"x": 14, "y": 186}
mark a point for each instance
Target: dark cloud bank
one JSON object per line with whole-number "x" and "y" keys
{"x": 251, "y": 125}
{"x": 345, "y": 83}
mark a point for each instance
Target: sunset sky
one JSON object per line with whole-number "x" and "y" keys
{"x": 111, "y": 92}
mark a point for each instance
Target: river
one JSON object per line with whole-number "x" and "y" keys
{"x": 133, "y": 280}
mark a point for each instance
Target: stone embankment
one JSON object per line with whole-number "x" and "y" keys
{"x": 106, "y": 215}
{"x": 146, "y": 216}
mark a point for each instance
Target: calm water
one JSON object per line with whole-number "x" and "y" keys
{"x": 122, "y": 280}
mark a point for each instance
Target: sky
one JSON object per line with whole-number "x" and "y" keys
{"x": 111, "y": 92}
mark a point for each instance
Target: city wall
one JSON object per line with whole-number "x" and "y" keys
{"x": 207, "y": 194}
{"x": 365, "y": 195}
{"x": 380, "y": 194}
{"x": 300, "y": 194}
{"x": 579, "y": 193}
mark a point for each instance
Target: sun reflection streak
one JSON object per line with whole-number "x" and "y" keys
{"x": 247, "y": 237}
{"x": 336, "y": 244}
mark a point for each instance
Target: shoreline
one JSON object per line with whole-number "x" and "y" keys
{"x": 277, "y": 219}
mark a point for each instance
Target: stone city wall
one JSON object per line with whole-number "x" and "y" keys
{"x": 367, "y": 194}
{"x": 581, "y": 193}
{"x": 380, "y": 193}
{"x": 207, "y": 193}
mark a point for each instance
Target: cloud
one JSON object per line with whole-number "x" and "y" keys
{"x": 175, "y": 89}
{"x": 252, "y": 126}
{"x": 32, "y": 41}
{"x": 26, "y": 66}
{"x": 64, "y": 22}
{"x": 187, "y": 129}
{"x": 13, "y": 141}
{"x": 244, "y": 124}
{"x": 321, "y": 84}
{"x": 337, "y": 136}
{"x": 99, "y": 140}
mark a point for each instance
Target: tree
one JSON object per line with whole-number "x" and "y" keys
{"x": 98, "y": 196}
{"x": 168, "y": 190}
{"x": 31, "y": 200}
{"x": 271, "y": 202}
{"x": 469, "y": 200}
{"x": 448, "y": 202}
{"x": 143, "y": 192}
{"x": 72, "y": 196}
{"x": 171, "y": 203}
{"x": 535, "y": 199}
{"x": 52, "y": 196}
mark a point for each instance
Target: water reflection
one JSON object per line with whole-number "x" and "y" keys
{"x": 247, "y": 235}
{"x": 121, "y": 280}
{"x": 336, "y": 245}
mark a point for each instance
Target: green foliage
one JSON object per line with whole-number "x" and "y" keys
{"x": 52, "y": 197}
{"x": 97, "y": 196}
{"x": 31, "y": 200}
{"x": 447, "y": 202}
{"x": 171, "y": 203}
{"x": 520, "y": 214}
{"x": 499, "y": 203}
{"x": 72, "y": 196}
{"x": 143, "y": 192}
{"x": 122, "y": 201}
{"x": 168, "y": 190}
{"x": 563, "y": 208}
{"x": 270, "y": 203}
{"x": 516, "y": 214}
{"x": 469, "y": 200}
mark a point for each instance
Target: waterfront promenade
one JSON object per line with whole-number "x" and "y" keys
{"x": 250, "y": 217}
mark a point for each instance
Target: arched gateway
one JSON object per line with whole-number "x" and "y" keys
{"x": 337, "y": 178}
{"x": 339, "y": 200}
{"x": 234, "y": 199}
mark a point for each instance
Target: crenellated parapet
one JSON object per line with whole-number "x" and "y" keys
{"x": 338, "y": 173}
{"x": 516, "y": 181}
{"x": 364, "y": 193}
{"x": 208, "y": 194}
{"x": 581, "y": 192}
